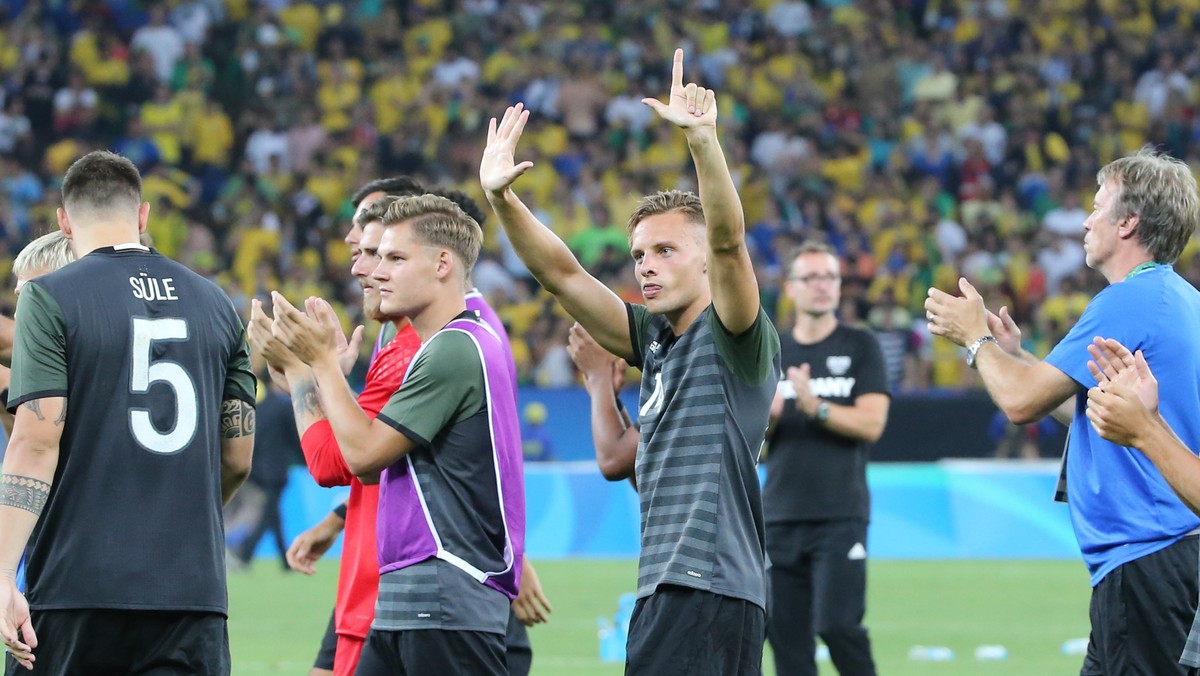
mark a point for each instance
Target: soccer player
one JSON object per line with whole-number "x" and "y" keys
{"x": 446, "y": 450}
{"x": 359, "y": 574}
{"x": 710, "y": 362}
{"x": 832, "y": 406}
{"x": 119, "y": 495}
{"x": 358, "y": 577}
{"x": 1138, "y": 540}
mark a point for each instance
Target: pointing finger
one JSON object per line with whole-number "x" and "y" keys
{"x": 677, "y": 70}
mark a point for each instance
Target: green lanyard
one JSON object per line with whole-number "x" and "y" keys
{"x": 1148, "y": 265}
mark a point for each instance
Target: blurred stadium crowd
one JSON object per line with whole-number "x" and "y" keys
{"x": 923, "y": 139}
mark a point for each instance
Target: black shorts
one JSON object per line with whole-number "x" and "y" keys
{"x": 517, "y": 650}
{"x": 101, "y": 642}
{"x": 328, "y": 646}
{"x": 1141, "y": 613}
{"x": 689, "y": 632}
{"x": 417, "y": 652}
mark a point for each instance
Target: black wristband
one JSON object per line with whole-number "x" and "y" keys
{"x": 340, "y": 510}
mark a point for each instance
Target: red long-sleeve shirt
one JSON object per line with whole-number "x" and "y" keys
{"x": 358, "y": 579}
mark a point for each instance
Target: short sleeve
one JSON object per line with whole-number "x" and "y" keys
{"x": 240, "y": 382}
{"x": 39, "y": 362}
{"x": 639, "y": 327}
{"x": 872, "y": 376}
{"x": 751, "y": 356}
{"x": 444, "y": 385}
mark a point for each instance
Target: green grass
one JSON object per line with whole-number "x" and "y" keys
{"x": 1031, "y": 607}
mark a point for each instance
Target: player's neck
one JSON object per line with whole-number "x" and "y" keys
{"x": 437, "y": 315}
{"x": 99, "y": 235}
{"x": 681, "y": 319}
{"x": 811, "y": 329}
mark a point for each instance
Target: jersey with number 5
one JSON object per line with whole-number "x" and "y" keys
{"x": 145, "y": 351}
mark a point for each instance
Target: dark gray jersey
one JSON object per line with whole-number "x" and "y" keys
{"x": 145, "y": 351}
{"x": 704, "y": 404}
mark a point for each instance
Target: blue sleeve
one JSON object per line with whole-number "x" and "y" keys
{"x": 1111, "y": 314}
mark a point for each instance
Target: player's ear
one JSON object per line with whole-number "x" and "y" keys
{"x": 64, "y": 223}
{"x": 445, "y": 263}
{"x": 143, "y": 217}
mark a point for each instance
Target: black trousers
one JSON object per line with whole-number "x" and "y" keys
{"x": 1141, "y": 613}
{"x": 679, "y": 631}
{"x": 100, "y": 642}
{"x": 818, "y": 588}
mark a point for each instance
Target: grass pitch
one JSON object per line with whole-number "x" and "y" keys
{"x": 1030, "y": 607}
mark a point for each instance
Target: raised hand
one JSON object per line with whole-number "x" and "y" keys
{"x": 307, "y": 337}
{"x": 264, "y": 342}
{"x": 690, "y": 106}
{"x": 1113, "y": 363}
{"x": 960, "y": 319}
{"x": 1118, "y": 414}
{"x": 594, "y": 362}
{"x": 498, "y": 168}
{"x": 1006, "y": 331}
{"x": 347, "y": 349}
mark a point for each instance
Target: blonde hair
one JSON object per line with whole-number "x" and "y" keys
{"x": 44, "y": 254}
{"x": 1161, "y": 191}
{"x": 439, "y": 222}
{"x": 666, "y": 201}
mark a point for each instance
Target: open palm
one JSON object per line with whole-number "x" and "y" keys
{"x": 690, "y": 106}
{"x": 1112, "y": 361}
{"x": 499, "y": 169}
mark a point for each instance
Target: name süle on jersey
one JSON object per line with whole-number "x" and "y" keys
{"x": 146, "y": 287}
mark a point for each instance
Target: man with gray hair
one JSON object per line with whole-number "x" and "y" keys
{"x": 1138, "y": 539}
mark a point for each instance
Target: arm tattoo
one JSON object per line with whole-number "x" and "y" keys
{"x": 24, "y": 492}
{"x": 237, "y": 419}
{"x": 306, "y": 401}
{"x": 35, "y": 405}
{"x": 62, "y": 417}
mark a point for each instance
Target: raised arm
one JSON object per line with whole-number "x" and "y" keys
{"x": 584, "y": 297}
{"x": 731, "y": 273}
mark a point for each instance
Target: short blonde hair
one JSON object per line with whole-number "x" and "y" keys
{"x": 1161, "y": 191}
{"x": 439, "y": 222}
{"x": 663, "y": 202}
{"x": 44, "y": 254}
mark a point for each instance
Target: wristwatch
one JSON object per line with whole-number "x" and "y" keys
{"x": 973, "y": 349}
{"x": 822, "y": 412}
